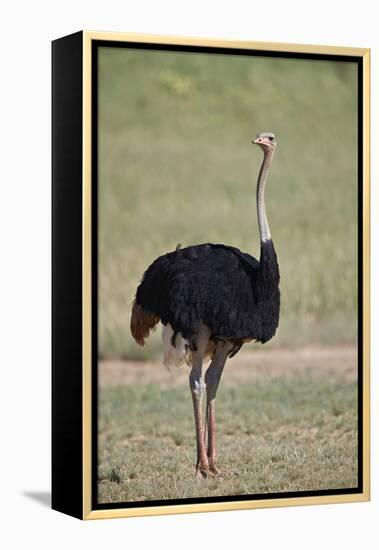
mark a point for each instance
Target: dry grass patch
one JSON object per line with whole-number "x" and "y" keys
{"x": 292, "y": 430}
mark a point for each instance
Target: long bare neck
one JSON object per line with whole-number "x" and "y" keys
{"x": 264, "y": 229}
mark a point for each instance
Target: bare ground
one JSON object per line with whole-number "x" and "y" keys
{"x": 247, "y": 366}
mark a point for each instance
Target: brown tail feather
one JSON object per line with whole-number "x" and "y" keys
{"x": 141, "y": 323}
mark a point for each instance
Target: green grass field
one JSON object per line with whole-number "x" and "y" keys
{"x": 176, "y": 165}
{"x": 286, "y": 422}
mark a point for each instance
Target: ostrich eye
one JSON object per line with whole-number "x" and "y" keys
{"x": 271, "y": 138}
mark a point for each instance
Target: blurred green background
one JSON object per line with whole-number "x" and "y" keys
{"x": 176, "y": 165}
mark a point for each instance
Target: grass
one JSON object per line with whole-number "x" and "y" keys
{"x": 176, "y": 165}
{"x": 280, "y": 431}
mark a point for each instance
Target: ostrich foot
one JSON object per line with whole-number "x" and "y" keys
{"x": 202, "y": 471}
{"x": 213, "y": 469}
{"x": 207, "y": 471}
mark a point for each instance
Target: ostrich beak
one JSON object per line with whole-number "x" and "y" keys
{"x": 261, "y": 141}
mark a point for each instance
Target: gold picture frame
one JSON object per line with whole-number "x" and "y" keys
{"x": 73, "y": 56}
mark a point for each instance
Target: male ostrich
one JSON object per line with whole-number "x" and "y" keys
{"x": 211, "y": 299}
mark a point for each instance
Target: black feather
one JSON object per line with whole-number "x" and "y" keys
{"x": 232, "y": 293}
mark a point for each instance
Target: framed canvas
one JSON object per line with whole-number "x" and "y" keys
{"x": 162, "y": 219}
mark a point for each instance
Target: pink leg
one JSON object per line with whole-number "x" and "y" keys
{"x": 211, "y": 421}
{"x": 197, "y": 387}
{"x": 212, "y": 380}
{"x": 202, "y": 464}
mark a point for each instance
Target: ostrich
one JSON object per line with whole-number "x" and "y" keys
{"x": 211, "y": 299}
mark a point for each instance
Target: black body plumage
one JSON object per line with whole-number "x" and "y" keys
{"x": 219, "y": 286}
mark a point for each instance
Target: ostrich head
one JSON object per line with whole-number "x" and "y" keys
{"x": 266, "y": 141}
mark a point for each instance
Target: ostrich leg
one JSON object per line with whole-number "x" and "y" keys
{"x": 197, "y": 387}
{"x": 212, "y": 380}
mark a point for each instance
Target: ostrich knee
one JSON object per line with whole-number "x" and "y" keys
{"x": 197, "y": 386}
